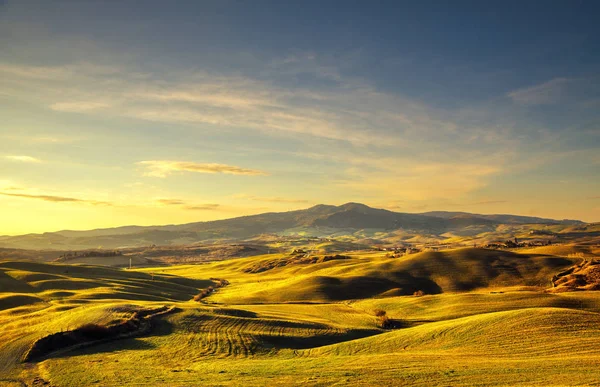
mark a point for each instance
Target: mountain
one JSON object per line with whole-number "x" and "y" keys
{"x": 321, "y": 221}
{"x": 501, "y": 218}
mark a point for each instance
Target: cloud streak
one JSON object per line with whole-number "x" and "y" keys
{"x": 56, "y": 199}
{"x": 24, "y": 159}
{"x": 271, "y": 199}
{"x": 170, "y": 202}
{"x": 164, "y": 168}
{"x": 187, "y": 206}
{"x": 203, "y": 207}
{"x": 546, "y": 93}
{"x": 78, "y": 107}
{"x": 350, "y": 112}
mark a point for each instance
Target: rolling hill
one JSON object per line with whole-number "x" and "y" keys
{"x": 370, "y": 274}
{"x": 486, "y": 318}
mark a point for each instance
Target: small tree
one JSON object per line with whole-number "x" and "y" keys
{"x": 383, "y": 321}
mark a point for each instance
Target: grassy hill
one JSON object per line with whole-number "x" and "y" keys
{"x": 529, "y": 332}
{"x": 46, "y": 281}
{"x": 372, "y": 274}
{"x": 486, "y": 319}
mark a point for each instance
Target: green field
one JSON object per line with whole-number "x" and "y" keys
{"x": 485, "y": 318}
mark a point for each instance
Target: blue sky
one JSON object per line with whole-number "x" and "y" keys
{"x": 154, "y": 112}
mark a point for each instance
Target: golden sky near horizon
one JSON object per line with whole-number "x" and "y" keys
{"x": 113, "y": 115}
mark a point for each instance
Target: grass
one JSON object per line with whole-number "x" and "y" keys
{"x": 370, "y": 274}
{"x": 485, "y": 319}
{"x": 531, "y": 332}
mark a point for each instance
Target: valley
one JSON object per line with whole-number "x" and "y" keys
{"x": 306, "y": 310}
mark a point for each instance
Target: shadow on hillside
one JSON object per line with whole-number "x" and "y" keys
{"x": 555, "y": 263}
{"x": 159, "y": 328}
{"x": 17, "y": 300}
{"x": 10, "y": 284}
{"x": 129, "y": 344}
{"x": 90, "y": 273}
{"x": 369, "y": 286}
{"x": 235, "y": 312}
{"x": 124, "y": 295}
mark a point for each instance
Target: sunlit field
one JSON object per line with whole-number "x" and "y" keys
{"x": 299, "y": 193}
{"x": 482, "y": 317}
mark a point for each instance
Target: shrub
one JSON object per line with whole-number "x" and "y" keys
{"x": 383, "y": 321}
{"x": 419, "y": 293}
{"x": 204, "y": 293}
{"x": 93, "y": 331}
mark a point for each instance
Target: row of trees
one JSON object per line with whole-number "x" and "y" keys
{"x": 102, "y": 253}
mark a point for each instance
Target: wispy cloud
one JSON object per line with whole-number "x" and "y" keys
{"x": 22, "y": 158}
{"x": 350, "y": 112}
{"x": 51, "y": 139}
{"x": 78, "y": 106}
{"x": 35, "y": 72}
{"x": 203, "y": 207}
{"x": 271, "y": 199}
{"x": 56, "y": 73}
{"x": 356, "y": 115}
{"x": 163, "y": 168}
{"x": 9, "y": 185}
{"x": 546, "y": 93}
{"x": 188, "y": 206}
{"x": 170, "y": 202}
{"x": 56, "y": 199}
{"x": 38, "y": 139}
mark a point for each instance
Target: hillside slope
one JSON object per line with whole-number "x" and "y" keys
{"x": 531, "y": 332}
{"x": 488, "y": 320}
{"x": 320, "y": 220}
{"x": 281, "y": 278}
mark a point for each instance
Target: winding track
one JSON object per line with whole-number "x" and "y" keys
{"x": 230, "y": 336}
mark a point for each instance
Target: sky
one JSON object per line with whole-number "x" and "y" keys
{"x": 165, "y": 112}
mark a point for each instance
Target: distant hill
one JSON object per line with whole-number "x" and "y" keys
{"x": 500, "y": 218}
{"x": 321, "y": 221}
{"x": 431, "y": 272}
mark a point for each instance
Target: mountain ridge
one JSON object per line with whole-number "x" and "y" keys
{"x": 321, "y": 219}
